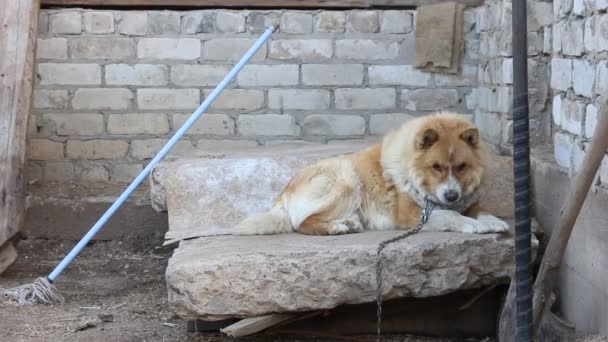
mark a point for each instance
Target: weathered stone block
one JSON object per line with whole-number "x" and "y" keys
{"x": 601, "y": 78}
{"x": 466, "y": 78}
{"x": 43, "y": 149}
{"x": 601, "y": 32}
{"x": 258, "y": 22}
{"x": 52, "y": 48}
{"x": 96, "y": 149}
{"x": 58, "y": 172}
{"x": 245, "y": 99}
{"x": 205, "y": 75}
{"x": 572, "y": 115}
{"x": 556, "y": 37}
{"x": 490, "y": 126}
{"x": 405, "y": 75}
{"x": 132, "y": 23}
{"x": 102, "y": 48}
{"x": 43, "y": 23}
{"x": 397, "y": 22}
{"x": 330, "y": 22}
{"x": 138, "y": 124}
{"x": 66, "y": 22}
{"x": 298, "y": 99}
{"x": 561, "y": 73}
{"x": 380, "y": 124}
{"x": 69, "y": 74}
{"x": 332, "y": 74}
{"x": 268, "y": 125}
{"x": 540, "y": 14}
{"x": 229, "y": 22}
{"x": 230, "y": 49}
{"x": 333, "y": 125}
{"x": 301, "y": 49}
{"x": 90, "y": 172}
{"x": 572, "y": 38}
{"x": 164, "y": 22}
{"x": 47, "y": 99}
{"x": 269, "y": 75}
{"x": 98, "y": 22}
{"x": 590, "y": 120}
{"x": 370, "y": 49}
{"x": 562, "y": 150}
{"x": 124, "y": 173}
{"x": 583, "y": 77}
{"x": 362, "y": 21}
{"x": 429, "y": 99}
{"x": 169, "y": 48}
{"x": 209, "y": 124}
{"x": 168, "y": 98}
{"x": 148, "y": 148}
{"x": 296, "y": 22}
{"x": 557, "y": 110}
{"x": 368, "y": 98}
{"x": 102, "y": 98}
{"x": 589, "y": 35}
{"x": 198, "y": 22}
{"x": 139, "y": 74}
{"x": 75, "y": 124}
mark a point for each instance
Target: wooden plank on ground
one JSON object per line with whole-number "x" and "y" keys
{"x": 8, "y": 255}
{"x": 256, "y": 3}
{"x": 18, "y": 28}
{"x": 253, "y": 325}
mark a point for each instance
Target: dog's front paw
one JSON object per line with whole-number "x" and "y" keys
{"x": 471, "y": 226}
{"x": 492, "y": 224}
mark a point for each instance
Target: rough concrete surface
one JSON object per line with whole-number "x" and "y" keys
{"x": 227, "y": 276}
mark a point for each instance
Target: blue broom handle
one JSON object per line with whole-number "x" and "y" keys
{"x": 67, "y": 260}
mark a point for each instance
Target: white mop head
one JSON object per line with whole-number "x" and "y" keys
{"x": 40, "y": 292}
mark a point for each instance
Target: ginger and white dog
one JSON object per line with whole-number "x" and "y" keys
{"x": 439, "y": 157}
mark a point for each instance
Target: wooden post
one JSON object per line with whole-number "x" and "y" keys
{"x": 18, "y": 29}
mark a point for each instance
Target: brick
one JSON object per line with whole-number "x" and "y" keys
{"x": 230, "y": 49}
{"x": 169, "y": 48}
{"x": 368, "y": 98}
{"x": 589, "y": 35}
{"x": 298, "y": 99}
{"x": 269, "y": 75}
{"x": 572, "y": 115}
{"x": 429, "y": 99}
{"x": 507, "y": 71}
{"x": 489, "y": 125}
{"x": 220, "y": 145}
{"x": 102, "y": 98}
{"x": 66, "y": 22}
{"x": 397, "y": 22}
{"x": 362, "y": 21}
{"x": 590, "y": 120}
{"x": 561, "y": 73}
{"x": 198, "y": 22}
{"x": 547, "y": 40}
{"x": 138, "y": 124}
{"x": 208, "y": 124}
{"x": 58, "y": 172}
{"x": 132, "y": 23}
{"x": 471, "y": 49}
{"x": 52, "y": 48}
{"x": 565, "y": 7}
{"x": 405, "y": 75}
{"x": 507, "y": 132}
{"x": 69, "y": 74}
{"x": 540, "y": 14}
{"x": 578, "y": 155}
{"x": 33, "y": 173}
{"x": 296, "y": 22}
{"x": 333, "y": 125}
{"x": 601, "y": 5}
{"x": 572, "y": 38}
{"x": 148, "y": 148}
{"x": 578, "y": 8}
{"x": 332, "y": 74}
{"x": 239, "y": 99}
{"x": 96, "y": 149}
{"x": 472, "y": 99}
{"x": 556, "y": 37}
{"x": 330, "y": 22}
{"x": 257, "y": 22}
{"x": 601, "y": 33}
{"x": 198, "y": 75}
{"x": 380, "y": 124}
{"x": 98, "y": 22}
{"x": 557, "y": 110}
{"x": 102, "y": 48}
{"x": 75, "y": 124}
{"x": 370, "y": 49}
{"x": 268, "y": 125}
{"x": 466, "y": 77}
{"x": 502, "y": 100}
{"x": 604, "y": 170}
{"x": 168, "y": 98}
{"x": 583, "y": 77}
{"x": 301, "y": 49}
{"x": 139, "y": 74}
{"x": 43, "y": 23}
{"x": 89, "y": 172}
{"x": 229, "y": 22}
{"x": 47, "y": 99}
{"x": 164, "y": 22}
{"x": 124, "y": 173}
{"x": 562, "y": 150}
{"x": 43, "y": 149}
{"x": 601, "y": 78}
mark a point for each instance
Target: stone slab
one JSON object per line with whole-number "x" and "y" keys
{"x": 221, "y": 277}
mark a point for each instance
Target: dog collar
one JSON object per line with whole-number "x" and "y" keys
{"x": 460, "y": 206}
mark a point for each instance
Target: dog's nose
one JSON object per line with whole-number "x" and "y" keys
{"x": 451, "y": 195}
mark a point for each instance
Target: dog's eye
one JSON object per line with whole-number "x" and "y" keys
{"x": 437, "y": 167}
{"x": 461, "y": 167}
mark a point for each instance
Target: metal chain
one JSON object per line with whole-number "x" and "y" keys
{"x": 424, "y": 216}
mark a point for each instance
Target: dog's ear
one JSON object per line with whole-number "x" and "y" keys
{"x": 470, "y": 136}
{"x": 426, "y": 138}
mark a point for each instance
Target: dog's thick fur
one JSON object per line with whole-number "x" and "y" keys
{"x": 439, "y": 157}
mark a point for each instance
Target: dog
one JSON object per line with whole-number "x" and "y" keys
{"x": 438, "y": 158}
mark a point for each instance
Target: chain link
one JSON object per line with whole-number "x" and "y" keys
{"x": 424, "y": 216}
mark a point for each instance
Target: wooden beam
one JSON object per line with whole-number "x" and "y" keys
{"x": 253, "y": 325}
{"x": 254, "y": 3}
{"x": 18, "y": 30}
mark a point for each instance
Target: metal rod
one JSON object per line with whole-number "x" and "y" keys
{"x": 521, "y": 171}
{"x": 159, "y": 156}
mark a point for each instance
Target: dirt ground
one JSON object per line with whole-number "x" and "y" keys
{"x": 115, "y": 291}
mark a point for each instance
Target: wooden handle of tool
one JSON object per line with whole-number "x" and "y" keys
{"x": 547, "y": 275}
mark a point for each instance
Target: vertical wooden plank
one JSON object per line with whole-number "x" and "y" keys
{"x": 18, "y": 27}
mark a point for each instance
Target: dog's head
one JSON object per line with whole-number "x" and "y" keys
{"x": 448, "y": 160}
